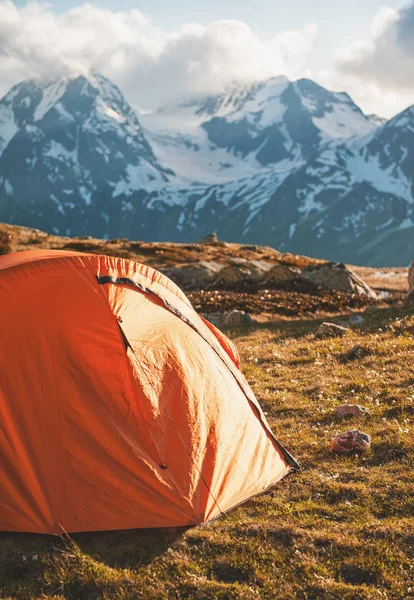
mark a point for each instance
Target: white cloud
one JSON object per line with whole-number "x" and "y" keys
{"x": 378, "y": 71}
{"x": 387, "y": 58}
{"x": 149, "y": 64}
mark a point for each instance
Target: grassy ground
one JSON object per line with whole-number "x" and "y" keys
{"x": 342, "y": 528}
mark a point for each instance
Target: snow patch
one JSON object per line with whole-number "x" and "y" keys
{"x": 8, "y": 187}
{"x": 8, "y": 126}
{"x": 391, "y": 180}
{"x": 343, "y": 123}
{"x": 112, "y": 114}
{"x": 86, "y": 195}
{"x": 63, "y": 113}
{"x": 385, "y": 225}
{"x": 51, "y": 94}
{"x": 406, "y": 224}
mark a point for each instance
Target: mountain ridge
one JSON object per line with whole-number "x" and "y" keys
{"x": 289, "y": 164}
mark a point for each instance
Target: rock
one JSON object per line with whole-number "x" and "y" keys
{"x": 242, "y": 274}
{"x": 351, "y": 442}
{"x": 5, "y": 242}
{"x": 356, "y": 320}
{"x": 237, "y": 274}
{"x": 410, "y": 296}
{"x": 357, "y": 352}
{"x": 337, "y": 276}
{"x": 211, "y": 238}
{"x": 350, "y": 410}
{"x": 232, "y": 318}
{"x": 192, "y": 276}
{"x": 214, "y": 318}
{"x": 288, "y": 278}
{"x": 250, "y": 247}
{"x": 331, "y": 330}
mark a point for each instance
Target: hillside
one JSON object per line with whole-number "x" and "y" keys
{"x": 220, "y": 276}
{"x": 340, "y": 528}
{"x": 286, "y": 164}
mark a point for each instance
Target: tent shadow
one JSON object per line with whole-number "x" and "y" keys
{"x": 132, "y": 548}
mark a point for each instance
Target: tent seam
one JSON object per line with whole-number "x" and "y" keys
{"x": 119, "y": 328}
{"x": 127, "y": 281}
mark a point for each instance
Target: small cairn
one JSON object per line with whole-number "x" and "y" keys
{"x": 211, "y": 238}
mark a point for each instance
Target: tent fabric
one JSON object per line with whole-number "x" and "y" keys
{"x": 120, "y": 406}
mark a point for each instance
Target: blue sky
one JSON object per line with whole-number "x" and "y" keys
{"x": 349, "y": 45}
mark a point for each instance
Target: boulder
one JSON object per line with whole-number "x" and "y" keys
{"x": 351, "y": 442}
{"x": 351, "y": 410}
{"x": 337, "y": 276}
{"x": 232, "y": 318}
{"x": 288, "y": 278}
{"x": 410, "y": 296}
{"x": 356, "y": 320}
{"x": 326, "y": 330}
{"x": 242, "y": 274}
{"x": 192, "y": 276}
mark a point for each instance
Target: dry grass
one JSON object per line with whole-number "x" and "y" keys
{"x": 342, "y": 528}
{"x": 392, "y": 279}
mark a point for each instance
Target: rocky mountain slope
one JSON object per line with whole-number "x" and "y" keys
{"x": 275, "y": 125}
{"x": 220, "y": 276}
{"x": 73, "y": 152}
{"x": 287, "y": 164}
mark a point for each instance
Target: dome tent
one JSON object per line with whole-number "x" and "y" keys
{"x": 120, "y": 407}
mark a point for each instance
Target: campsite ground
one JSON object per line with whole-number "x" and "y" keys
{"x": 342, "y": 528}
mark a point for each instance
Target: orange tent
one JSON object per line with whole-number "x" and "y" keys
{"x": 120, "y": 407}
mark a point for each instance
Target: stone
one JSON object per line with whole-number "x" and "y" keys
{"x": 231, "y": 318}
{"x": 356, "y": 353}
{"x": 250, "y": 247}
{"x": 193, "y": 276}
{"x": 350, "y": 410}
{"x": 241, "y": 274}
{"x": 5, "y": 242}
{"x": 351, "y": 442}
{"x": 410, "y": 296}
{"x": 326, "y": 330}
{"x": 288, "y": 278}
{"x": 356, "y": 320}
{"x": 337, "y": 276}
{"x": 211, "y": 238}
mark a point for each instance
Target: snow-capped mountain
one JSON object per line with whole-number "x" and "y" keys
{"x": 288, "y": 164}
{"x": 352, "y": 200}
{"x": 72, "y": 154}
{"x": 275, "y": 125}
